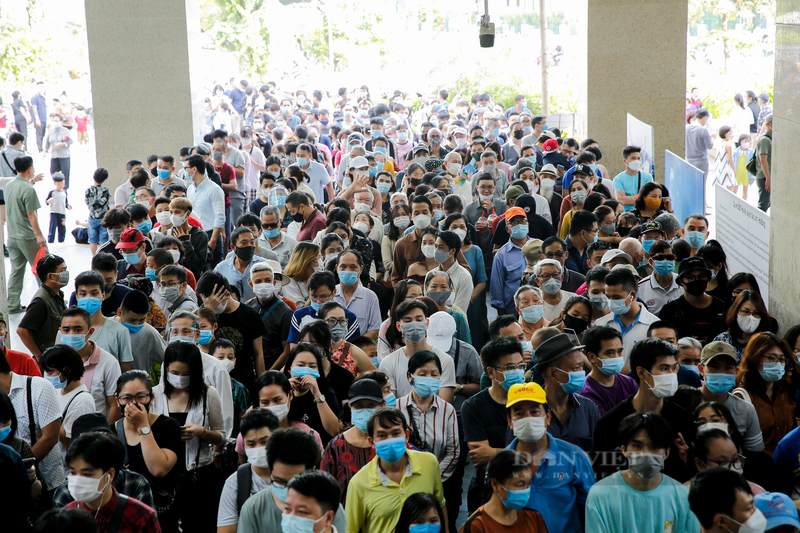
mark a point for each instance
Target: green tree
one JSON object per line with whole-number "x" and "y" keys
{"x": 239, "y": 27}
{"x": 26, "y": 52}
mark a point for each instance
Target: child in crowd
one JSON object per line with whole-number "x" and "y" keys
{"x": 98, "y": 198}
{"x": 57, "y": 200}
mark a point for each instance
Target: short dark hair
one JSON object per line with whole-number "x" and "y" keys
{"x": 422, "y": 358}
{"x": 713, "y": 492}
{"x": 581, "y": 221}
{"x": 136, "y": 301}
{"x": 552, "y": 240}
{"x": 205, "y": 285}
{"x": 417, "y": 505}
{"x": 298, "y": 198}
{"x": 65, "y": 521}
{"x": 656, "y": 426}
{"x": 47, "y": 265}
{"x": 451, "y": 240}
{"x": 623, "y": 278}
{"x": 408, "y": 305}
{"x": 628, "y": 150}
{"x": 116, "y": 217}
{"x": 319, "y": 485}
{"x": 598, "y": 273}
{"x": 80, "y": 312}
{"x": 100, "y": 175}
{"x": 594, "y": 337}
{"x": 292, "y": 447}
{"x": 177, "y": 271}
{"x": 386, "y": 417}
{"x": 64, "y": 359}
{"x": 503, "y": 321}
{"x": 161, "y": 256}
{"x": 321, "y": 279}
{"x": 23, "y": 163}
{"x": 90, "y": 278}
{"x": 505, "y": 464}
{"x": 257, "y": 418}
{"x": 662, "y": 324}
{"x": 497, "y": 348}
{"x": 702, "y": 113}
{"x": 100, "y": 449}
{"x": 645, "y": 353}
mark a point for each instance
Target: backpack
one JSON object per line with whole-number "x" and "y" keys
{"x": 751, "y": 165}
{"x": 244, "y": 480}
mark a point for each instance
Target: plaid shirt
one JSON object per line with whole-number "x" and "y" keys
{"x": 98, "y": 200}
{"x": 126, "y": 482}
{"x": 137, "y": 517}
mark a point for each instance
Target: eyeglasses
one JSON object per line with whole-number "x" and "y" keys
{"x": 181, "y": 332}
{"x": 773, "y": 359}
{"x": 688, "y": 278}
{"x": 140, "y": 398}
{"x": 515, "y": 224}
{"x": 547, "y": 277}
{"x": 171, "y": 284}
{"x": 334, "y": 321}
{"x": 510, "y": 368}
{"x": 747, "y": 312}
{"x": 737, "y": 464}
{"x": 554, "y": 255}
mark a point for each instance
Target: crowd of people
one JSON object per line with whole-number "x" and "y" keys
{"x": 286, "y": 327}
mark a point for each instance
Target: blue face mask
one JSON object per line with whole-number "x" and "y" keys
{"x": 315, "y": 306}
{"x": 594, "y": 168}
{"x": 298, "y": 524}
{"x": 425, "y": 528}
{"x": 348, "y": 278}
{"x": 373, "y": 171}
{"x": 390, "y": 399}
{"x": 533, "y": 313}
{"x": 383, "y": 187}
{"x": 545, "y": 127}
{"x": 131, "y": 259}
{"x": 55, "y": 381}
{"x": 91, "y": 304}
{"x": 359, "y": 418}
{"x": 695, "y": 239}
{"x": 425, "y": 386}
{"x": 512, "y": 377}
{"x": 272, "y": 233}
{"x": 300, "y": 371}
{"x": 664, "y": 268}
{"x": 5, "y": 432}
{"x": 374, "y": 361}
{"x": 181, "y": 338}
{"x": 619, "y": 307}
{"x": 391, "y": 450}
{"x": 437, "y": 214}
{"x": 576, "y": 381}
{"x": 520, "y": 231}
{"x": 205, "y": 337}
{"x": 772, "y": 372}
{"x": 517, "y": 499}
{"x": 277, "y": 201}
{"x": 133, "y": 328}
{"x": 163, "y": 174}
{"x": 302, "y": 161}
{"x": 647, "y": 245}
{"x": 612, "y": 366}
{"x": 145, "y": 226}
{"x": 720, "y": 383}
{"x": 280, "y": 492}
{"x": 692, "y": 368}
{"x": 381, "y": 149}
{"x": 276, "y": 174}
{"x": 375, "y": 133}
{"x": 150, "y": 273}
{"x": 495, "y": 132}
{"x": 346, "y": 182}
{"x": 74, "y": 341}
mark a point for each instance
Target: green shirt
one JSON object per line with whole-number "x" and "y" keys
{"x": 764, "y": 146}
{"x": 21, "y": 199}
{"x": 260, "y": 514}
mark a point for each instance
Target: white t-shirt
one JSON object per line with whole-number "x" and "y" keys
{"x": 82, "y": 405}
{"x": 552, "y": 311}
{"x": 228, "y": 513}
{"x": 395, "y": 366}
{"x": 104, "y": 379}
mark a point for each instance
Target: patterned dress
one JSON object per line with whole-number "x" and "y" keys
{"x": 344, "y": 358}
{"x": 723, "y": 172}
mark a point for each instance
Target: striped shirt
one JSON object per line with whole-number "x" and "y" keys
{"x": 438, "y": 429}
{"x": 364, "y": 304}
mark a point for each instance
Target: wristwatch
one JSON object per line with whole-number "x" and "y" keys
{"x": 320, "y": 399}
{"x": 145, "y": 430}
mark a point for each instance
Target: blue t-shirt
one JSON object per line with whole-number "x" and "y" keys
{"x": 630, "y": 184}
{"x": 615, "y": 507}
{"x": 787, "y": 458}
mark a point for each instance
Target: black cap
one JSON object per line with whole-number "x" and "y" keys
{"x": 365, "y": 389}
{"x": 420, "y": 148}
{"x": 89, "y": 422}
{"x": 692, "y": 263}
{"x": 554, "y": 348}
{"x": 586, "y": 170}
{"x": 651, "y": 226}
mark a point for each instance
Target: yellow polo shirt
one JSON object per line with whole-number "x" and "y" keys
{"x": 374, "y": 501}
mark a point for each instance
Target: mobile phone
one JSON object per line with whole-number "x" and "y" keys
{"x": 29, "y": 462}
{"x": 572, "y": 336}
{"x": 560, "y": 168}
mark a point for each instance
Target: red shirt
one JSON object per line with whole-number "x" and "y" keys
{"x": 22, "y": 363}
{"x": 81, "y": 122}
{"x": 137, "y": 517}
{"x": 311, "y": 226}
{"x": 226, "y": 176}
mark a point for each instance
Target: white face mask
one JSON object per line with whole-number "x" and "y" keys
{"x": 453, "y": 169}
{"x": 429, "y": 251}
{"x": 461, "y": 233}
{"x": 664, "y": 385}
{"x": 548, "y": 183}
{"x": 749, "y": 323}
{"x": 280, "y": 410}
{"x": 178, "y": 221}
{"x": 164, "y": 218}
{"x": 757, "y": 523}
{"x": 635, "y": 166}
{"x": 401, "y": 222}
{"x": 257, "y": 456}
{"x": 176, "y": 255}
{"x": 361, "y": 226}
{"x": 264, "y": 290}
{"x": 713, "y": 425}
{"x": 179, "y": 382}
{"x": 228, "y": 364}
{"x": 145, "y": 204}
{"x": 86, "y": 489}
{"x": 362, "y": 208}
{"x": 530, "y": 429}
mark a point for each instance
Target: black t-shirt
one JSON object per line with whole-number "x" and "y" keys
{"x": 702, "y": 324}
{"x": 339, "y": 380}
{"x": 277, "y": 323}
{"x": 167, "y": 432}
{"x": 241, "y": 327}
{"x": 484, "y": 419}
{"x": 303, "y": 409}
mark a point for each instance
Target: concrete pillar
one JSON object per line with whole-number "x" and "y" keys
{"x": 637, "y": 65}
{"x": 145, "y": 89}
{"x": 784, "y": 266}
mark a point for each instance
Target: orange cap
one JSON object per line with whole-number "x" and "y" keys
{"x": 515, "y": 212}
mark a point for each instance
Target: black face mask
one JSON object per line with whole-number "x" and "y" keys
{"x": 424, "y": 137}
{"x": 297, "y": 217}
{"x": 146, "y": 407}
{"x": 623, "y": 232}
{"x": 416, "y": 181}
{"x": 575, "y": 323}
{"x": 154, "y": 171}
{"x": 519, "y": 134}
{"x": 245, "y": 253}
{"x": 696, "y": 287}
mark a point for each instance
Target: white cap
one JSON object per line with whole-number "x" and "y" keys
{"x": 358, "y": 162}
{"x": 549, "y": 168}
{"x": 614, "y": 254}
{"x": 549, "y": 133}
{"x": 441, "y": 330}
{"x": 276, "y": 267}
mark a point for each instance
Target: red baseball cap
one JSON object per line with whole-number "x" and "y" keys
{"x": 550, "y": 146}
{"x": 131, "y": 238}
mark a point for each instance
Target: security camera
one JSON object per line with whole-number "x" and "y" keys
{"x": 486, "y": 34}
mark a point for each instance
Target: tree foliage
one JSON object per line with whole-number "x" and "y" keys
{"x": 240, "y": 27}
{"x": 26, "y": 52}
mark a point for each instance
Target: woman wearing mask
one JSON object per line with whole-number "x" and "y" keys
{"x": 578, "y": 189}
{"x": 208, "y": 328}
{"x": 625, "y": 223}
{"x": 649, "y": 203}
{"x": 439, "y": 288}
{"x": 332, "y": 245}
{"x": 389, "y": 338}
{"x": 607, "y": 222}
{"x": 576, "y": 315}
{"x": 737, "y": 284}
{"x": 509, "y": 475}
{"x": 304, "y": 261}
{"x": 399, "y": 220}
{"x": 384, "y": 184}
{"x": 723, "y": 171}
{"x": 349, "y": 451}
{"x": 417, "y": 271}
{"x": 760, "y": 380}
{"x": 412, "y": 178}
{"x": 745, "y": 317}
{"x": 184, "y": 396}
{"x": 63, "y": 367}
{"x": 421, "y": 513}
{"x": 313, "y": 400}
{"x": 715, "y": 448}
{"x": 448, "y": 244}
{"x": 714, "y": 256}
{"x": 302, "y": 179}
{"x": 277, "y": 198}
{"x": 152, "y": 443}
{"x": 433, "y": 423}
{"x": 346, "y": 355}
{"x": 741, "y": 156}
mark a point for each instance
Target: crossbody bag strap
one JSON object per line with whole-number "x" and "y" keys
{"x": 414, "y": 427}
{"x": 13, "y": 172}
{"x": 31, "y": 423}
{"x": 69, "y": 403}
{"x": 121, "y": 434}
{"x": 116, "y": 518}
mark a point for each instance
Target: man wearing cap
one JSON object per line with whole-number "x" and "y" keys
{"x": 563, "y": 471}
{"x": 20, "y": 362}
{"x": 39, "y": 326}
{"x": 574, "y": 416}
{"x": 552, "y": 156}
{"x": 353, "y": 140}
{"x": 554, "y": 248}
{"x": 764, "y": 163}
{"x": 131, "y": 245}
{"x": 661, "y": 286}
{"x": 722, "y": 499}
{"x": 583, "y": 231}
{"x": 509, "y": 263}
{"x": 695, "y": 313}
{"x": 718, "y": 367}
{"x": 547, "y": 179}
{"x": 651, "y": 232}
{"x": 615, "y": 257}
{"x": 359, "y": 165}
{"x": 654, "y": 367}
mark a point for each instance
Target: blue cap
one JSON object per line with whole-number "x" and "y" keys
{"x": 779, "y": 509}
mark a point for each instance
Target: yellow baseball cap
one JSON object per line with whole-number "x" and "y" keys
{"x": 526, "y": 392}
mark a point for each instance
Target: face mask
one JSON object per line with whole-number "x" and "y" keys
{"x": 414, "y": 332}
{"x": 133, "y": 328}
{"x": 440, "y": 297}
{"x": 280, "y": 124}
{"x": 401, "y": 222}
{"x": 170, "y": 294}
{"x": 205, "y": 337}
{"x": 713, "y": 425}
{"x": 178, "y": 220}
{"x": 664, "y": 385}
{"x": 576, "y": 381}
{"x": 647, "y": 245}
{"x": 74, "y": 341}
{"x": 608, "y": 229}
{"x": 390, "y": 399}
{"x": 489, "y": 168}
{"x": 4, "y": 433}
{"x": 757, "y": 523}
{"x": 338, "y": 332}
{"x": 748, "y": 324}
{"x": 635, "y": 166}
{"x": 179, "y": 382}
{"x": 619, "y": 307}
{"x": 440, "y": 256}
{"x": 520, "y": 231}
{"x": 301, "y": 371}
{"x": 359, "y": 418}
{"x": 425, "y": 386}
{"x": 115, "y": 234}
{"x": 512, "y": 377}
{"x": 437, "y": 214}
{"x": 425, "y": 528}
{"x": 720, "y": 383}
{"x": 578, "y": 197}
{"x": 772, "y": 372}
{"x": 164, "y": 218}
{"x": 277, "y": 201}
{"x": 391, "y": 450}
{"x": 85, "y": 489}
{"x": 599, "y": 301}
{"x": 383, "y": 187}
{"x": 402, "y": 135}
{"x": 348, "y": 278}
{"x": 256, "y": 456}
{"x": 575, "y": 323}
{"x": 264, "y": 291}
{"x": 623, "y": 231}
{"x": 422, "y": 221}
{"x": 55, "y": 381}
{"x": 131, "y": 259}
{"x": 217, "y": 156}
{"x": 150, "y": 273}
{"x": 302, "y": 161}
{"x": 646, "y": 465}
{"x": 519, "y": 134}
{"x": 533, "y": 313}
{"x": 652, "y": 203}
{"x": 298, "y": 217}
{"x": 517, "y": 499}
{"x": 695, "y": 239}
{"x": 530, "y": 429}
{"x": 245, "y": 253}
{"x": 548, "y": 184}
{"x": 421, "y": 161}
{"x": 612, "y": 366}
{"x": 176, "y": 255}
{"x": 429, "y": 251}
{"x": 462, "y": 234}
{"x": 552, "y": 286}
{"x": 280, "y": 492}
{"x": 362, "y": 208}
{"x": 92, "y": 305}
{"x": 280, "y": 411}
{"x": 163, "y": 174}
{"x": 691, "y": 368}
{"x": 436, "y": 141}
{"x": 696, "y": 287}
{"x": 664, "y": 268}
